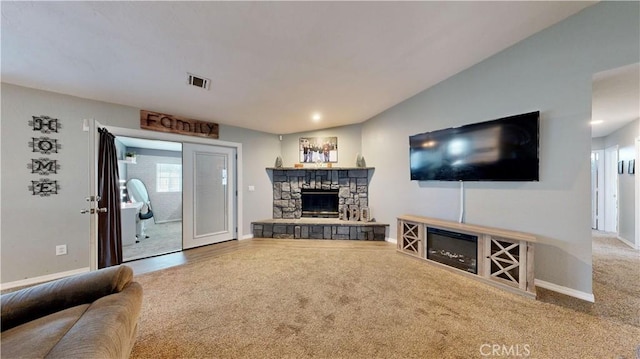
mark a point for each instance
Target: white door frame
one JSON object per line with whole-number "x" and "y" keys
{"x": 92, "y": 126}
{"x": 637, "y": 207}
{"x": 597, "y": 192}
{"x": 151, "y": 135}
{"x": 611, "y": 185}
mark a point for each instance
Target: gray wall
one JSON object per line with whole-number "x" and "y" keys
{"x": 551, "y": 72}
{"x": 625, "y": 139}
{"x": 597, "y": 143}
{"x": 349, "y": 145}
{"x": 259, "y": 152}
{"x": 31, "y": 226}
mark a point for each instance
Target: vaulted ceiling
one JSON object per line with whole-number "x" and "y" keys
{"x": 271, "y": 64}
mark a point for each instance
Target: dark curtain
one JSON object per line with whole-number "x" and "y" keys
{"x": 109, "y": 234}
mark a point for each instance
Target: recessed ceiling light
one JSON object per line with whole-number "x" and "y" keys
{"x": 596, "y": 122}
{"x": 316, "y": 117}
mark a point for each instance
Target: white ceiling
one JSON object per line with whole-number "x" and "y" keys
{"x": 271, "y": 64}
{"x": 616, "y": 99}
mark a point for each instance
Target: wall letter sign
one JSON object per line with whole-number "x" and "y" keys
{"x": 45, "y": 124}
{"x": 167, "y": 123}
{"x": 43, "y": 166}
{"x": 44, "y": 187}
{"x": 44, "y": 145}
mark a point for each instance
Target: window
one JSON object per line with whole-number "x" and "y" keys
{"x": 168, "y": 177}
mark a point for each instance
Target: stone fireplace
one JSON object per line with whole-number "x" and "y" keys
{"x": 308, "y": 203}
{"x": 351, "y": 185}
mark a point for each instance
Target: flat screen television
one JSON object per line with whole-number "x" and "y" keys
{"x": 505, "y": 149}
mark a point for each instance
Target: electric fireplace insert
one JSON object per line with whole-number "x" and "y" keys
{"x": 458, "y": 250}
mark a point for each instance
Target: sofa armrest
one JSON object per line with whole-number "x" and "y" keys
{"x": 38, "y": 301}
{"x": 107, "y": 330}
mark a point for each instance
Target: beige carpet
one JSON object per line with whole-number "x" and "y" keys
{"x": 616, "y": 283}
{"x": 299, "y": 299}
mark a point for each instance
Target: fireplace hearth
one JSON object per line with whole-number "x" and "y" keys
{"x": 458, "y": 250}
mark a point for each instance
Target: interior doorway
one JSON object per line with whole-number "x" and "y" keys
{"x": 151, "y": 194}
{"x": 637, "y": 180}
{"x": 233, "y": 206}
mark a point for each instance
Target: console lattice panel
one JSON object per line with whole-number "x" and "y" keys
{"x": 411, "y": 241}
{"x": 505, "y": 261}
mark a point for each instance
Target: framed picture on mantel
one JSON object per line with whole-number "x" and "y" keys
{"x": 318, "y": 149}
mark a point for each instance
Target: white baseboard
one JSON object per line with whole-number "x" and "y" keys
{"x": 41, "y": 279}
{"x": 391, "y": 240}
{"x": 564, "y": 290}
{"x": 247, "y": 236}
{"x": 626, "y": 242}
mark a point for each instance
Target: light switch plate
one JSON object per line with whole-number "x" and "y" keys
{"x": 61, "y": 249}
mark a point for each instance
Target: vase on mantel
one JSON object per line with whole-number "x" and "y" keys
{"x": 360, "y": 162}
{"x": 278, "y": 162}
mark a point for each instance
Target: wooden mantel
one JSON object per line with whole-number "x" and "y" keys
{"x": 497, "y": 232}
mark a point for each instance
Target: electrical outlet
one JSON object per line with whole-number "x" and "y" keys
{"x": 252, "y": 188}
{"x": 61, "y": 249}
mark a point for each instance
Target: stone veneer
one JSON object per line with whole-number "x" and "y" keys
{"x": 319, "y": 228}
{"x": 352, "y": 185}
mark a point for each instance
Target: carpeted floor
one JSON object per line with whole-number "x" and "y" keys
{"x": 616, "y": 283}
{"x": 299, "y": 299}
{"x": 163, "y": 238}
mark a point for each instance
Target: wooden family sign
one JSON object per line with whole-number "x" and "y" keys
{"x": 173, "y": 124}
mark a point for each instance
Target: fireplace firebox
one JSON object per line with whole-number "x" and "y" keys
{"x": 319, "y": 203}
{"x": 458, "y": 250}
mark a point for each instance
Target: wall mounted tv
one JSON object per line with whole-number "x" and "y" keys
{"x": 505, "y": 149}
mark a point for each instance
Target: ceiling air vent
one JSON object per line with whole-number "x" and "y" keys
{"x": 198, "y": 81}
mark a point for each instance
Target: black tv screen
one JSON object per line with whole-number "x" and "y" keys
{"x": 505, "y": 149}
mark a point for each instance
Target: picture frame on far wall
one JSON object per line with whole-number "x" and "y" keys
{"x": 620, "y": 167}
{"x": 318, "y": 149}
{"x": 631, "y": 169}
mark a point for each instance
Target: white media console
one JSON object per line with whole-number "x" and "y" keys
{"x": 503, "y": 258}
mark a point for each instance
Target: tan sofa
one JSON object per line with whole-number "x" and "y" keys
{"x": 91, "y": 315}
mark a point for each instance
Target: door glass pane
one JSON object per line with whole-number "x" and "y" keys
{"x": 210, "y": 194}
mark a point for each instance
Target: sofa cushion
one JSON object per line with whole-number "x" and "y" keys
{"x": 41, "y": 300}
{"x": 35, "y": 339}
